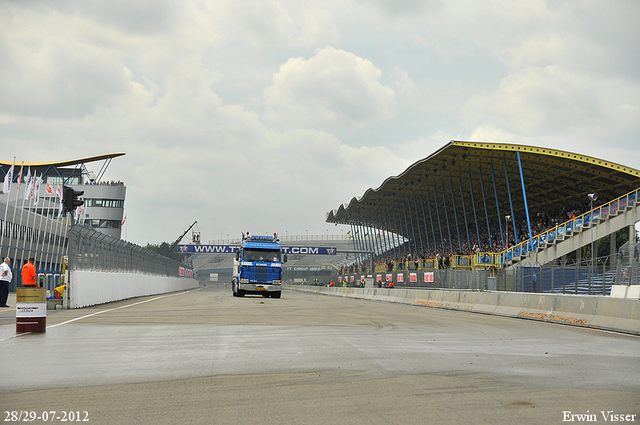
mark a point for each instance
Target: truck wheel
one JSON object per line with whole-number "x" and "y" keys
{"x": 240, "y": 293}
{"x": 276, "y": 294}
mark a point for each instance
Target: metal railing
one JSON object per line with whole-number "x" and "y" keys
{"x": 92, "y": 250}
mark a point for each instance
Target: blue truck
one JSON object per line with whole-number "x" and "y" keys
{"x": 257, "y": 267}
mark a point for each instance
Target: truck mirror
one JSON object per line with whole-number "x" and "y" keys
{"x": 238, "y": 256}
{"x": 284, "y": 258}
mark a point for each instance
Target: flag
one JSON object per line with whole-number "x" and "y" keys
{"x": 36, "y": 190}
{"x": 123, "y": 220}
{"x": 19, "y": 178}
{"x": 59, "y": 193}
{"x": 6, "y": 187}
{"x": 49, "y": 188}
{"x": 27, "y": 191}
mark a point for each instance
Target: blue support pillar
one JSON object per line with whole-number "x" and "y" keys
{"x": 526, "y": 208}
{"x": 513, "y": 217}
{"x": 495, "y": 191}
{"x": 379, "y": 236}
{"x": 475, "y": 215}
{"x": 353, "y": 236}
{"x": 406, "y": 222}
{"x": 446, "y": 216}
{"x": 424, "y": 219}
{"x": 385, "y": 236}
{"x": 433, "y": 229}
{"x": 393, "y": 235}
{"x": 358, "y": 243}
{"x": 435, "y": 200}
{"x": 415, "y": 202}
{"x": 404, "y": 245}
{"x": 464, "y": 210}
{"x": 486, "y": 213}
{"x": 455, "y": 214}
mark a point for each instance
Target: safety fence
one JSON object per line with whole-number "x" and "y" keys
{"x": 569, "y": 277}
{"x": 31, "y": 232}
{"x": 95, "y": 251}
{"x": 627, "y": 270}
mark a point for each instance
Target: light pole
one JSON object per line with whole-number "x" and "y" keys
{"x": 592, "y": 197}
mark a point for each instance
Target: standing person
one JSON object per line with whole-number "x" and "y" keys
{"x": 5, "y": 280}
{"x": 29, "y": 274}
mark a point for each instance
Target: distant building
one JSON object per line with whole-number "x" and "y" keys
{"x": 103, "y": 200}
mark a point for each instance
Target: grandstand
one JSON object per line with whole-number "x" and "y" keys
{"x": 497, "y": 206}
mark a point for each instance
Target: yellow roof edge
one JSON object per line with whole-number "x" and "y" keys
{"x": 68, "y": 162}
{"x": 547, "y": 151}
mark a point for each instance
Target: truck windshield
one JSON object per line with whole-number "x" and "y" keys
{"x": 266, "y": 255}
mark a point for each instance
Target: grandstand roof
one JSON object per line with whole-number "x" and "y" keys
{"x": 553, "y": 179}
{"x": 68, "y": 162}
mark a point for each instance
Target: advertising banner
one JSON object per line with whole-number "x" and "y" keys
{"x": 413, "y": 277}
{"x": 232, "y": 249}
{"x": 428, "y": 277}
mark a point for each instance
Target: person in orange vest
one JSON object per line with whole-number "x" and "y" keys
{"x": 391, "y": 285}
{"x": 332, "y": 284}
{"x": 29, "y": 274}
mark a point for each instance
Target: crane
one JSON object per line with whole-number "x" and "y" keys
{"x": 177, "y": 241}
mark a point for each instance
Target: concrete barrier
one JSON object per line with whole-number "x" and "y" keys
{"x": 616, "y": 314}
{"x": 487, "y": 302}
{"x": 87, "y": 288}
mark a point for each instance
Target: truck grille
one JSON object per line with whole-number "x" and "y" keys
{"x": 262, "y": 273}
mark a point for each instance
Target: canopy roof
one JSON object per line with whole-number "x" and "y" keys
{"x": 463, "y": 176}
{"x": 68, "y": 162}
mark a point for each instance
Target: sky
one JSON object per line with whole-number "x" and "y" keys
{"x": 263, "y": 116}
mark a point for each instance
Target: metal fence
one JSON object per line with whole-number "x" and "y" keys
{"x": 627, "y": 272}
{"x": 576, "y": 277}
{"x": 95, "y": 251}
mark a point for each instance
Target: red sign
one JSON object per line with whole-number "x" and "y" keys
{"x": 428, "y": 277}
{"x": 400, "y": 278}
{"x": 413, "y": 277}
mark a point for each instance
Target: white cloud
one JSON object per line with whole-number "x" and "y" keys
{"x": 536, "y": 100}
{"x": 278, "y": 24}
{"x": 333, "y": 89}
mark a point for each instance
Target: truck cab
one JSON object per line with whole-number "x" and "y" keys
{"x": 257, "y": 267}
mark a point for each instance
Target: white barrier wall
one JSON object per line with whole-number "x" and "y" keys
{"x": 617, "y": 314}
{"x": 88, "y": 288}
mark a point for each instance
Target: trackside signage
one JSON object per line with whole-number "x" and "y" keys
{"x": 231, "y": 249}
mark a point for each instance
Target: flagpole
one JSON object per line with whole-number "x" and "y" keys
{"x": 15, "y": 208}
{"x": 36, "y": 189}
{"x": 7, "y": 186}
{"x": 48, "y": 234}
{"x": 26, "y": 196}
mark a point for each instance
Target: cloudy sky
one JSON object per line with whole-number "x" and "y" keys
{"x": 264, "y": 115}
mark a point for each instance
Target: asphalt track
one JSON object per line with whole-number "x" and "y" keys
{"x": 205, "y": 357}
